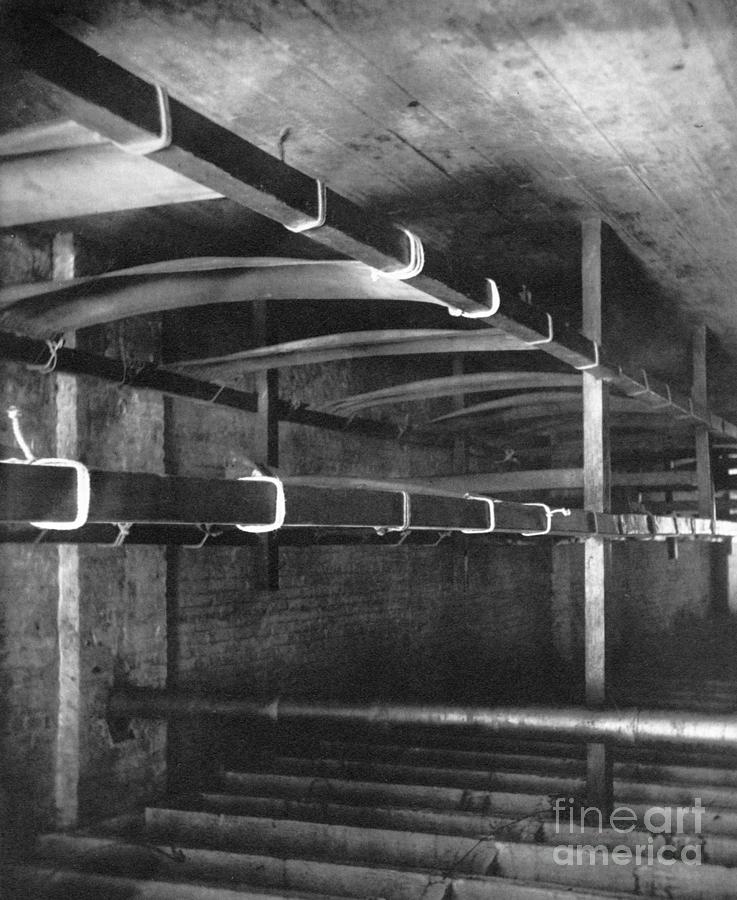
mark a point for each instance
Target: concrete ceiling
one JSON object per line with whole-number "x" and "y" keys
{"x": 489, "y": 127}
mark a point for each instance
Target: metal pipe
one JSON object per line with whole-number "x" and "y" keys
{"x": 626, "y": 726}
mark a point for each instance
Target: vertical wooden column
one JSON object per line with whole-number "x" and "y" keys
{"x": 66, "y": 757}
{"x": 699, "y": 395}
{"x": 267, "y": 449}
{"x": 719, "y": 554}
{"x": 460, "y": 447}
{"x": 597, "y": 483}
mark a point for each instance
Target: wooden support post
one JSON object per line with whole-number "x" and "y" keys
{"x": 66, "y": 753}
{"x": 700, "y": 397}
{"x": 460, "y": 446}
{"x": 596, "y": 480}
{"x": 267, "y": 451}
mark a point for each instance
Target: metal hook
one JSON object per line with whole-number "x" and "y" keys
{"x": 152, "y": 144}
{"x": 549, "y": 513}
{"x": 406, "y": 516}
{"x": 280, "y": 506}
{"x": 592, "y": 365}
{"x": 646, "y": 389}
{"x": 83, "y": 494}
{"x": 416, "y": 259}
{"x": 668, "y": 402}
{"x": 549, "y": 338}
{"x": 322, "y": 211}
{"x": 492, "y": 516}
{"x": 484, "y": 313}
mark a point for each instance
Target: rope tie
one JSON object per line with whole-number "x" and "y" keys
{"x": 124, "y": 529}
{"x": 217, "y": 393}
{"x": 132, "y": 368}
{"x": 54, "y": 346}
{"x": 14, "y": 416}
{"x": 208, "y": 532}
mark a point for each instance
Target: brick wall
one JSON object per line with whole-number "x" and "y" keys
{"x": 350, "y": 622}
{"x": 123, "y": 591}
{"x": 121, "y": 630}
{"x": 650, "y": 597}
{"x": 368, "y": 622}
{"x": 28, "y": 590}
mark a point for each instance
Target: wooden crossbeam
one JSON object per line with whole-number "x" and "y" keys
{"x": 554, "y": 479}
{"x": 36, "y": 352}
{"x": 49, "y": 493}
{"x": 110, "y": 100}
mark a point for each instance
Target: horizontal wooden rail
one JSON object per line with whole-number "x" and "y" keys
{"x": 50, "y": 494}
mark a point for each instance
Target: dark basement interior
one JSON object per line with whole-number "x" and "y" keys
{"x": 369, "y": 439}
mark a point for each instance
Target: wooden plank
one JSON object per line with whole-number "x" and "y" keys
{"x": 701, "y": 434}
{"x": 561, "y": 401}
{"x": 452, "y": 386}
{"x": 596, "y": 495}
{"x": 86, "y": 181}
{"x": 96, "y": 300}
{"x": 41, "y": 137}
{"x": 362, "y": 344}
{"x": 267, "y": 440}
{"x": 460, "y": 450}
{"x": 595, "y": 392}
{"x": 552, "y": 479}
{"x": 45, "y": 493}
{"x": 579, "y": 523}
{"x": 67, "y": 743}
{"x": 557, "y": 413}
